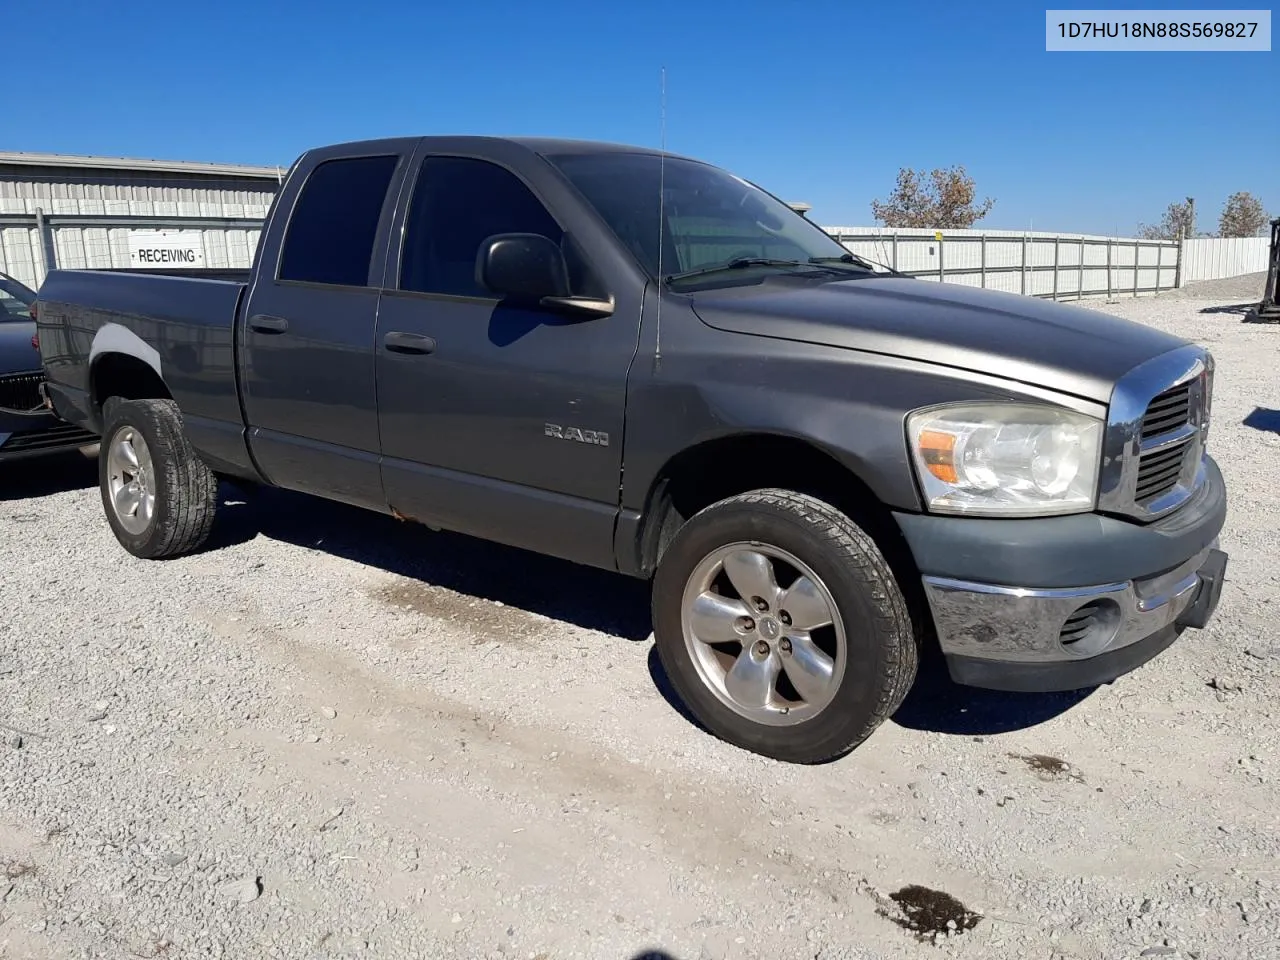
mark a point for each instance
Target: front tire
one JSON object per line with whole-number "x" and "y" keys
{"x": 781, "y": 626}
{"x": 159, "y": 496}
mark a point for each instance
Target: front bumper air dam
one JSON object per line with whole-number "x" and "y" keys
{"x": 1009, "y": 610}
{"x": 1007, "y": 638}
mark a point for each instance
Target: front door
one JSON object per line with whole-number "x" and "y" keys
{"x": 500, "y": 421}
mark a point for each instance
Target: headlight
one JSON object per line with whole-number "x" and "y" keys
{"x": 1011, "y": 459}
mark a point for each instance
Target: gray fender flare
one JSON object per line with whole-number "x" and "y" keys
{"x": 115, "y": 338}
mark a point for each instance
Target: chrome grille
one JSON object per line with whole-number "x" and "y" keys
{"x": 1158, "y": 470}
{"x": 1156, "y": 429}
{"x": 1165, "y": 443}
{"x": 1167, "y": 412}
{"x": 21, "y": 391}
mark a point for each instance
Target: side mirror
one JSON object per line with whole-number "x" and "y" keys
{"x": 524, "y": 266}
{"x": 531, "y": 268}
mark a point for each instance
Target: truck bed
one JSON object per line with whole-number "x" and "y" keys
{"x": 181, "y": 327}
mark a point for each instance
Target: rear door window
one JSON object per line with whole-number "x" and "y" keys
{"x": 334, "y": 224}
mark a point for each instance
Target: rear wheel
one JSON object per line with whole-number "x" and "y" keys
{"x": 782, "y": 627}
{"x": 160, "y": 497}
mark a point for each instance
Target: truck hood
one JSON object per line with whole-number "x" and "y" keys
{"x": 1065, "y": 348}
{"x": 16, "y": 353}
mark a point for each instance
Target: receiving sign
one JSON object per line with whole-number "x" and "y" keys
{"x": 165, "y": 248}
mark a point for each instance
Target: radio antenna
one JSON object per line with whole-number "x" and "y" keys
{"x": 662, "y": 196}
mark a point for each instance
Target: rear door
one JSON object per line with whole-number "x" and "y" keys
{"x": 307, "y": 364}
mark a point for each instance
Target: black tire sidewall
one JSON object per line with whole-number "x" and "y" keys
{"x": 141, "y": 416}
{"x": 854, "y": 711}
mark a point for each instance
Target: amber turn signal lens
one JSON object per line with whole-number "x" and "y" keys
{"x": 938, "y": 450}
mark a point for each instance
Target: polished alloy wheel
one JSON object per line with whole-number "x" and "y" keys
{"x": 764, "y": 633}
{"x": 131, "y": 480}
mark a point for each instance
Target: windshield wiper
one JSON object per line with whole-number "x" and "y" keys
{"x": 737, "y": 263}
{"x": 850, "y": 258}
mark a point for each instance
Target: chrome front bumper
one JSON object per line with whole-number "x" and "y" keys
{"x": 1047, "y": 639}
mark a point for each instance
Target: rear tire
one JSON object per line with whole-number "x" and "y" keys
{"x": 159, "y": 496}
{"x": 800, "y": 695}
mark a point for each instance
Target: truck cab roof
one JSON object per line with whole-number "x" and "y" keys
{"x": 475, "y": 142}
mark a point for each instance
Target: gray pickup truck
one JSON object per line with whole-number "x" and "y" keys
{"x": 639, "y": 362}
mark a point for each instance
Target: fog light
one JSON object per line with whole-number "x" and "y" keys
{"x": 1090, "y": 628}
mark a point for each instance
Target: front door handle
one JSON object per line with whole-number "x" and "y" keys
{"x": 412, "y": 343}
{"x": 265, "y": 324}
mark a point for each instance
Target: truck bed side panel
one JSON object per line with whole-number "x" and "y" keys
{"x": 181, "y": 327}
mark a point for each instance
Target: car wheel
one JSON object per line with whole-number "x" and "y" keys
{"x": 159, "y": 496}
{"x": 781, "y": 626}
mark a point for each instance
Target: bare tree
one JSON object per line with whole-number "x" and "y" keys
{"x": 1242, "y": 216}
{"x": 1179, "y": 221}
{"x": 944, "y": 199}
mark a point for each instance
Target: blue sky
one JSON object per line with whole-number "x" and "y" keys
{"x": 820, "y": 102}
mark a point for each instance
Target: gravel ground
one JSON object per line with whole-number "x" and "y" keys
{"x": 335, "y": 735}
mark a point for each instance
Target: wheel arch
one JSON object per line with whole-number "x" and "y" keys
{"x": 126, "y": 373}
{"x": 735, "y": 463}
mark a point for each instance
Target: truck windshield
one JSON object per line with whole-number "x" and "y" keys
{"x": 710, "y": 219}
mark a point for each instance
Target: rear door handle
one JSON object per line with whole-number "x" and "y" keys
{"x": 265, "y": 324}
{"x": 412, "y": 343}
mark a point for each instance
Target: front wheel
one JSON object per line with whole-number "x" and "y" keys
{"x": 781, "y": 626}
{"x": 160, "y": 497}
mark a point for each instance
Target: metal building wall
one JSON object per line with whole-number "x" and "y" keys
{"x": 69, "y": 192}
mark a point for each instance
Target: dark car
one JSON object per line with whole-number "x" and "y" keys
{"x": 27, "y": 427}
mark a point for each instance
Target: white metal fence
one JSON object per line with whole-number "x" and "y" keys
{"x": 1056, "y": 265}
{"x": 1212, "y": 259}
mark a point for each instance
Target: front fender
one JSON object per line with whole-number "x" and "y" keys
{"x": 851, "y": 405}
